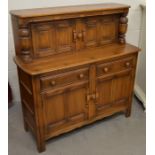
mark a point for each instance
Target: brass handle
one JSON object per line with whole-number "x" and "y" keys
{"x": 81, "y": 76}
{"x": 74, "y": 35}
{"x": 53, "y": 83}
{"x": 106, "y": 69}
{"x": 127, "y": 64}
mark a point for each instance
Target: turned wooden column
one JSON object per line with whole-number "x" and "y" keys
{"x": 25, "y": 41}
{"x": 122, "y": 28}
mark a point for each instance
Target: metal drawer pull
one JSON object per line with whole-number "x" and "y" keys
{"x": 53, "y": 83}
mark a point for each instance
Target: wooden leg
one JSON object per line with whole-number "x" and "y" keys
{"x": 40, "y": 141}
{"x": 40, "y": 145}
{"x": 128, "y": 112}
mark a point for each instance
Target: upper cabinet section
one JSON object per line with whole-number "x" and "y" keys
{"x": 51, "y": 31}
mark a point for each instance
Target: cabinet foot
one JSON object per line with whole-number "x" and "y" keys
{"x": 128, "y": 113}
{"x": 41, "y": 145}
{"x": 41, "y": 149}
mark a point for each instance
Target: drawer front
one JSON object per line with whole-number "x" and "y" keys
{"x": 115, "y": 66}
{"x": 63, "y": 79}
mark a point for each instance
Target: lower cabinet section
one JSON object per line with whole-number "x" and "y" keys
{"x": 56, "y": 103}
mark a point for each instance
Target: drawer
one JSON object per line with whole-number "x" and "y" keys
{"x": 63, "y": 79}
{"x": 115, "y": 66}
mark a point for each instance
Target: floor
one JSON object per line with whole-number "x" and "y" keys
{"x": 116, "y": 135}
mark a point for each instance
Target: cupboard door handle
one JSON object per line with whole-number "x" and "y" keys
{"x": 53, "y": 83}
{"x": 74, "y": 35}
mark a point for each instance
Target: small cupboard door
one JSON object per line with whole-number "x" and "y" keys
{"x": 108, "y": 29}
{"x": 90, "y": 32}
{"x": 53, "y": 37}
{"x": 65, "y": 107}
{"x": 113, "y": 92}
{"x": 97, "y": 31}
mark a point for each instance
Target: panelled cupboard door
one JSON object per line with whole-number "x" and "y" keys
{"x": 65, "y": 107}
{"x": 90, "y": 31}
{"x": 53, "y": 37}
{"x": 108, "y": 29}
{"x": 99, "y": 30}
{"x": 113, "y": 91}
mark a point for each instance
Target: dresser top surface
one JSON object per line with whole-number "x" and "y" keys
{"x": 87, "y": 56}
{"x": 39, "y": 12}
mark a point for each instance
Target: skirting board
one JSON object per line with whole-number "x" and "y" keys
{"x": 140, "y": 94}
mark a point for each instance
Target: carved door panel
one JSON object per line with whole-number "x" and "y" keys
{"x": 43, "y": 38}
{"x": 65, "y": 107}
{"x": 113, "y": 91}
{"x": 90, "y": 31}
{"x": 122, "y": 87}
{"x": 64, "y": 36}
{"x": 108, "y": 28}
{"x": 104, "y": 94}
{"x": 53, "y": 37}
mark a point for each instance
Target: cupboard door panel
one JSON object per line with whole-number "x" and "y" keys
{"x": 122, "y": 85}
{"x": 65, "y": 107}
{"x": 91, "y": 32}
{"x": 76, "y": 103}
{"x": 43, "y": 39}
{"x": 113, "y": 91}
{"x": 54, "y": 110}
{"x": 64, "y": 36}
{"x": 108, "y": 29}
{"x": 104, "y": 93}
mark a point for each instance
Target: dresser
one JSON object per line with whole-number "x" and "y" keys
{"x": 74, "y": 66}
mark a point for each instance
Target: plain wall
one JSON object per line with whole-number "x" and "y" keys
{"x": 132, "y": 36}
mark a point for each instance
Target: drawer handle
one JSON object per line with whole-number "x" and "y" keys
{"x": 53, "y": 83}
{"x": 81, "y": 76}
{"x": 106, "y": 69}
{"x": 127, "y": 64}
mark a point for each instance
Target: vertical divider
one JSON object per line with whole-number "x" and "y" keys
{"x": 92, "y": 90}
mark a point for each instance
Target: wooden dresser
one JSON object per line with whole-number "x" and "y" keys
{"x": 74, "y": 66}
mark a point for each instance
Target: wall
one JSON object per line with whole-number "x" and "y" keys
{"x": 140, "y": 87}
{"x": 132, "y": 34}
